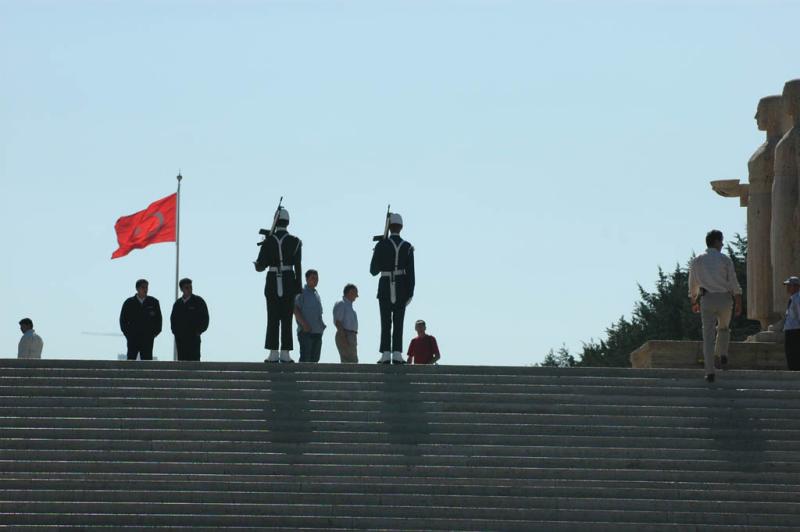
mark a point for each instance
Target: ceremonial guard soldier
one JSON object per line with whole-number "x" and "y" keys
{"x": 393, "y": 259}
{"x": 280, "y": 255}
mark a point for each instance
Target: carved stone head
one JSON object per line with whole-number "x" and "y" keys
{"x": 770, "y": 113}
{"x": 791, "y": 98}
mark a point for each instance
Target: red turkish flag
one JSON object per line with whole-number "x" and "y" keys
{"x": 153, "y": 225}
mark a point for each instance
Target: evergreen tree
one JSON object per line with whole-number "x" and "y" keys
{"x": 559, "y": 359}
{"x": 663, "y": 314}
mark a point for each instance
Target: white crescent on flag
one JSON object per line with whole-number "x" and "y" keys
{"x": 158, "y": 216}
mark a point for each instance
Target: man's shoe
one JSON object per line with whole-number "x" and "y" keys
{"x": 710, "y": 377}
{"x": 386, "y": 358}
{"x": 274, "y": 356}
{"x": 397, "y": 358}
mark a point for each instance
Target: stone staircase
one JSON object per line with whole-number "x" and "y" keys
{"x": 210, "y": 446}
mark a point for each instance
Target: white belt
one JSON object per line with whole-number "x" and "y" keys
{"x": 278, "y": 268}
{"x": 278, "y": 271}
{"x": 393, "y": 283}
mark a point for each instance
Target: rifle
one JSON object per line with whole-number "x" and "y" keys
{"x": 274, "y": 223}
{"x": 378, "y": 238}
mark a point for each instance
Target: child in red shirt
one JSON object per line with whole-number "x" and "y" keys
{"x": 423, "y": 348}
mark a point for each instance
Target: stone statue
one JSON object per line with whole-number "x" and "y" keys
{"x": 757, "y": 197}
{"x": 785, "y": 237}
{"x": 760, "y": 283}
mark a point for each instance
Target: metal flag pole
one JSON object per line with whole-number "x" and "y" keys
{"x": 177, "y": 252}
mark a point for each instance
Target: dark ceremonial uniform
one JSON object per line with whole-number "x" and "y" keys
{"x": 140, "y": 322}
{"x": 189, "y": 319}
{"x": 280, "y": 255}
{"x": 393, "y": 259}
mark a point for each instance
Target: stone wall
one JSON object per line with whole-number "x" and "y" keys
{"x": 685, "y": 354}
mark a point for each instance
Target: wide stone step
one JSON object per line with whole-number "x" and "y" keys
{"x": 377, "y": 369}
{"x": 368, "y": 408}
{"x": 417, "y": 460}
{"x": 319, "y": 524}
{"x": 415, "y": 500}
{"x": 97, "y": 365}
{"x": 277, "y": 426}
{"x": 435, "y": 377}
{"x": 69, "y": 417}
{"x": 399, "y": 417}
{"x": 379, "y": 449}
{"x": 746, "y": 443}
{"x": 547, "y": 468}
{"x": 302, "y": 381}
{"x": 356, "y": 515}
{"x": 288, "y": 383}
{"x": 130, "y": 488}
{"x": 693, "y": 489}
{"x": 400, "y": 400}
{"x": 720, "y": 390}
{"x": 209, "y": 446}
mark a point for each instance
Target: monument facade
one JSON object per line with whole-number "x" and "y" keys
{"x": 761, "y": 199}
{"x": 761, "y": 171}
{"x": 785, "y": 237}
{"x": 772, "y": 198}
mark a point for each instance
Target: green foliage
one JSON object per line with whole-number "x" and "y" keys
{"x": 559, "y": 359}
{"x": 663, "y": 314}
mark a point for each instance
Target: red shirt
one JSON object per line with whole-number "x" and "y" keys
{"x": 422, "y": 349}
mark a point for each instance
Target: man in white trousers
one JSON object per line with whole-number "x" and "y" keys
{"x": 713, "y": 290}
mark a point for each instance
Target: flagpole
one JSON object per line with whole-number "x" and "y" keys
{"x": 177, "y": 250}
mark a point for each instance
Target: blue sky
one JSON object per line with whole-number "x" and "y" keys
{"x": 546, "y": 157}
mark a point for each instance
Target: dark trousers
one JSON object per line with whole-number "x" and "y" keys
{"x": 188, "y": 347}
{"x": 392, "y": 316}
{"x": 140, "y": 345}
{"x": 310, "y": 346}
{"x": 792, "y": 349}
{"x": 279, "y": 319}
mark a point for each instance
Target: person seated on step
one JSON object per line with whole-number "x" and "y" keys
{"x": 423, "y": 349}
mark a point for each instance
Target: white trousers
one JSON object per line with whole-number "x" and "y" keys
{"x": 715, "y": 313}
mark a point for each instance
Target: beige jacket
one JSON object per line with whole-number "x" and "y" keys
{"x": 30, "y": 346}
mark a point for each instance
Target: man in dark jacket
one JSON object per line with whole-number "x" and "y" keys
{"x": 393, "y": 259}
{"x": 189, "y": 319}
{"x": 140, "y": 322}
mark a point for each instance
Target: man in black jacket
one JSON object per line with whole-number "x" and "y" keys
{"x": 140, "y": 322}
{"x": 189, "y": 319}
{"x": 280, "y": 255}
{"x": 393, "y": 258}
